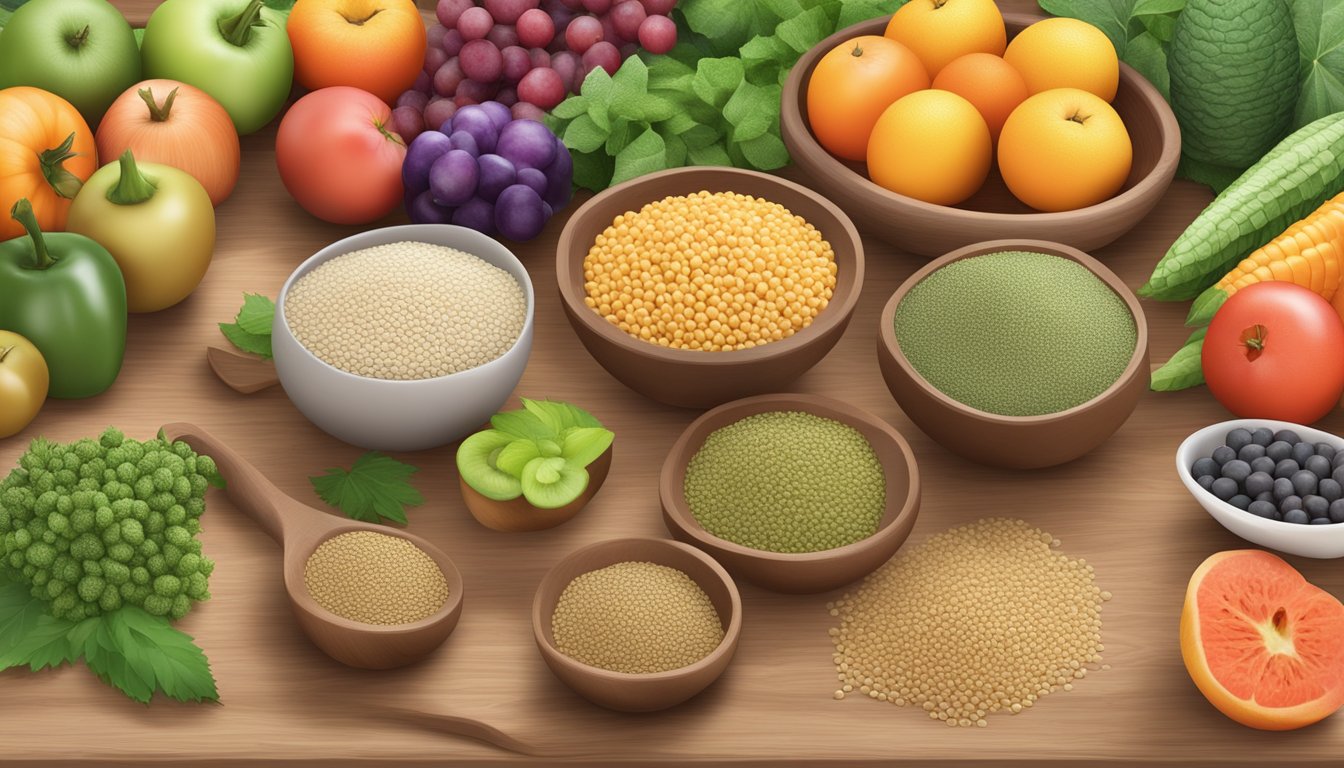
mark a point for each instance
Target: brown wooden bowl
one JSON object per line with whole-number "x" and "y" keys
{"x": 1015, "y": 442}
{"x": 993, "y": 213}
{"x": 692, "y": 378}
{"x": 802, "y": 572}
{"x": 649, "y": 692}
{"x": 518, "y": 516}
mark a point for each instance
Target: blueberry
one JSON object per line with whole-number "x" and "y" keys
{"x": 1283, "y": 488}
{"x": 1237, "y": 470}
{"x": 1266, "y": 496}
{"x": 1258, "y": 483}
{"x": 1242, "y": 501}
{"x": 1204, "y": 466}
{"x": 1251, "y": 452}
{"x": 1302, "y": 452}
{"x": 1224, "y": 488}
{"x": 1262, "y": 509}
{"x": 1222, "y": 454}
{"x": 1318, "y": 466}
{"x": 1287, "y": 436}
{"x": 1237, "y": 438}
{"x": 1262, "y": 436}
{"x": 1290, "y": 503}
{"x": 1337, "y": 511}
{"x": 1279, "y": 450}
{"x": 1316, "y": 506}
{"x": 1320, "y": 521}
{"x": 1286, "y": 468}
{"x": 1330, "y": 489}
{"x": 1296, "y": 516}
{"x": 1206, "y": 482}
{"x": 1304, "y": 482}
{"x": 1326, "y": 450}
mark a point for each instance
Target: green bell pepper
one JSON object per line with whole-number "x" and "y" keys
{"x": 65, "y": 293}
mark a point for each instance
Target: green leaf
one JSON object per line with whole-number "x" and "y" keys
{"x": 716, "y": 80}
{"x": 19, "y": 616}
{"x": 805, "y": 30}
{"x": 46, "y": 646}
{"x": 105, "y": 657}
{"x": 1320, "y": 40}
{"x": 584, "y": 135}
{"x": 645, "y": 154}
{"x": 477, "y": 459}
{"x": 765, "y": 152}
{"x": 701, "y": 136}
{"x": 139, "y": 653}
{"x": 710, "y": 154}
{"x": 675, "y": 150}
{"x": 552, "y": 483}
{"x": 1184, "y": 369}
{"x": 854, "y": 11}
{"x": 552, "y": 414}
{"x": 677, "y": 123}
{"x": 1216, "y": 177}
{"x": 570, "y": 108}
{"x": 592, "y": 170}
{"x": 727, "y": 24}
{"x": 622, "y": 133}
{"x": 752, "y": 110}
{"x": 376, "y": 488}
{"x": 583, "y": 446}
{"x": 522, "y": 425}
{"x": 257, "y": 314}
{"x": 1147, "y": 55}
{"x": 1110, "y": 16}
{"x": 668, "y": 72}
{"x": 513, "y": 457}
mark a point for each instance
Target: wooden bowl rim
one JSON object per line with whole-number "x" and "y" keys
{"x": 732, "y": 629}
{"x": 570, "y": 255}
{"x": 1137, "y": 361}
{"x": 693, "y": 437}
{"x": 792, "y": 122}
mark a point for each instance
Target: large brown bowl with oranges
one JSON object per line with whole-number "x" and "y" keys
{"x": 993, "y": 213}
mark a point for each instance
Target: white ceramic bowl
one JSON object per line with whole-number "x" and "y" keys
{"x": 1322, "y": 541}
{"x": 401, "y": 415}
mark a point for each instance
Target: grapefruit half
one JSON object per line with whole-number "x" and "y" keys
{"x": 1264, "y": 646}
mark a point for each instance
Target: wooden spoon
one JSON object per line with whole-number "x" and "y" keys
{"x": 299, "y": 529}
{"x": 241, "y": 373}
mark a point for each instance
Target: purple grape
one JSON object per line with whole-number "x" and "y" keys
{"x": 407, "y": 122}
{"x": 453, "y": 178}
{"x": 448, "y": 11}
{"x": 424, "y": 83}
{"x": 658, "y": 34}
{"x": 479, "y": 124}
{"x": 475, "y": 23}
{"x": 453, "y": 42}
{"x": 598, "y": 7}
{"x": 465, "y": 142}
{"x": 474, "y": 92}
{"x": 420, "y": 156}
{"x": 609, "y": 33}
{"x": 435, "y": 35}
{"x": 533, "y": 178}
{"x": 658, "y": 7}
{"x": 566, "y": 65}
{"x": 525, "y": 111}
{"x": 540, "y": 57}
{"x": 628, "y": 50}
{"x": 516, "y": 63}
{"x": 476, "y": 214}
{"x": 496, "y": 174}
{"x": 560, "y": 177}
{"x": 423, "y": 210}
{"x": 502, "y": 36}
{"x": 582, "y": 32}
{"x": 481, "y": 61}
{"x": 499, "y": 114}
{"x": 627, "y": 15}
{"x": 509, "y": 11}
{"x": 519, "y": 213}
{"x": 603, "y": 54}
{"x": 438, "y": 112}
{"x": 506, "y": 97}
{"x": 413, "y": 99}
{"x": 572, "y": 5}
{"x": 435, "y": 58}
{"x": 448, "y": 78}
{"x": 527, "y": 144}
{"x": 536, "y": 29}
{"x": 560, "y": 18}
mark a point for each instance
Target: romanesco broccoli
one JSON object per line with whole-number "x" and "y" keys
{"x": 99, "y": 524}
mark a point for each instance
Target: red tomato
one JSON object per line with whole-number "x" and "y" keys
{"x": 1276, "y": 351}
{"x": 338, "y": 156}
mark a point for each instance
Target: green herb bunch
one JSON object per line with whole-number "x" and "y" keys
{"x": 711, "y": 100}
{"x": 539, "y": 452}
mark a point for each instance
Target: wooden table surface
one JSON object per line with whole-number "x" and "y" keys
{"x": 1121, "y": 507}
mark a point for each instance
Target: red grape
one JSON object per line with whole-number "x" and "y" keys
{"x": 535, "y": 28}
{"x": 658, "y": 34}
{"x": 566, "y": 65}
{"x": 609, "y": 32}
{"x": 542, "y": 87}
{"x": 475, "y": 91}
{"x": 573, "y": 5}
{"x": 449, "y": 11}
{"x": 525, "y": 111}
{"x": 482, "y": 61}
{"x": 475, "y": 23}
{"x": 507, "y": 96}
{"x": 508, "y": 11}
{"x": 516, "y": 63}
{"x": 582, "y": 32}
{"x": 604, "y": 55}
{"x": 560, "y": 18}
{"x": 424, "y": 83}
{"x": 414, "y": 99}
{"x": 540, "y": 57}
{"x": 628, "y": 50}
{"x": 438, "y": 112}
{"x": 407, "y": 122}
{"x": 452, "y": 42}
{"x": 658, "y": 7}
{"x": 627, "y": 15}
{"x": 502, "y": 36}
{"x": 597, "y": 6}
{"x": 434, "y": 58}
{"x": 435, "y": 35}
{"x": 447, "y": 79}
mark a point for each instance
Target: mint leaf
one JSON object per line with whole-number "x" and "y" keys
{"x": 716, "y": 79}
{"x": 592, "y": 170}
{"x": 376, "y": 488}
{"x": 621, "y": 135}
{"x": 751, "y": 110}
{"x": 805, "y": 30}
{"x": 250, "y": 330}
{"x": 570, "y": 108}
{"x": 1147, "y": 55}
{"x": 675, "y": 150}
{"x": 1184, "y": 369}
{"x": 584, "y": 135}
{"x": 645, "y": 154}
{"x": 765, "y": 152}
{"x": 710, "y": 154}
{"x": 854, "y": 11}
{"x": 247, "y": 342}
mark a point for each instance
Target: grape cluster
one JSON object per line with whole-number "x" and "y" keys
{"x": 525, "y": 54}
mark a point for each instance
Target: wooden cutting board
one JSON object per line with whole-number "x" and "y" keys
{"x": 1122, "y": 507}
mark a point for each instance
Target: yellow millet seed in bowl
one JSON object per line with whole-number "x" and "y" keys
{"x": 374, "y": 578}
{"x": 406, "y": 311}
{"x": 981, "y": 618}
{"x": 710, "y": 271}
{"x": 636, "y": 618}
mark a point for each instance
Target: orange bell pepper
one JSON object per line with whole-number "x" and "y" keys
{"x": 46, "y": 153}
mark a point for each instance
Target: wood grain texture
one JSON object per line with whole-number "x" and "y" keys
{"x": 1121, "y": 507}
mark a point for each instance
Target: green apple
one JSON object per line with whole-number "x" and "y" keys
{"x": 81, "y": 50}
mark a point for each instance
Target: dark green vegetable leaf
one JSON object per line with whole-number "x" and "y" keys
{"x": 376, "y": 488}
{"x": 1320, "y": 40}
{"x": 1147, "y": 55}
{"x": 124, "y": 669}
{"x": 1184, "y": 369}
{"x": 854, "y": 11}
{"x": 279, "y": 5}
{"x": 646, "y": 154}
{"x": 138, "y": 653}
{"x": 19, "y": 616}
{"x": 47, "y": 645}
{"x": 1110, "y": 16}
{"x": 1218, "y": 177}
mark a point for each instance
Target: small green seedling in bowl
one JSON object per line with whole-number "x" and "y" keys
{"x": 540, "y": 452}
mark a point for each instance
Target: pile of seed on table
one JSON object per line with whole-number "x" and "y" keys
{"x": 1016, "y": 333}
{"x": 787, "y": 481}
{"x": 406, "y": 311}
{"x": 710, "y": 271}
{"x": 981, "y": 618}
{"x": 636, "y": 618}
{"x": 374, "y": 578}
{"x": 1276, "y": 475}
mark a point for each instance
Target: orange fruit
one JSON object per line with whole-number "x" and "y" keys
{"x": 851, "y": 86}
{"x": 1264, "y": 645}
{"x": 1064, "y": 149}
{"x": 931, "y": 145}
{"x": 1065, "y": 53}
{"x": 374, "y": 45}
{"x": 988, "y": 82}
{"x": 939, "y": 31}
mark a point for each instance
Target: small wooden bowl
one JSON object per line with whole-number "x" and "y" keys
{"x": 811, "y": 571}
{"x": 518, "y": 516}
{"x": 993, "y": 213}
{"x": 627, "y": 692}
{"x": 1015, "y": 442}
{"x": 697, "y": 379}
